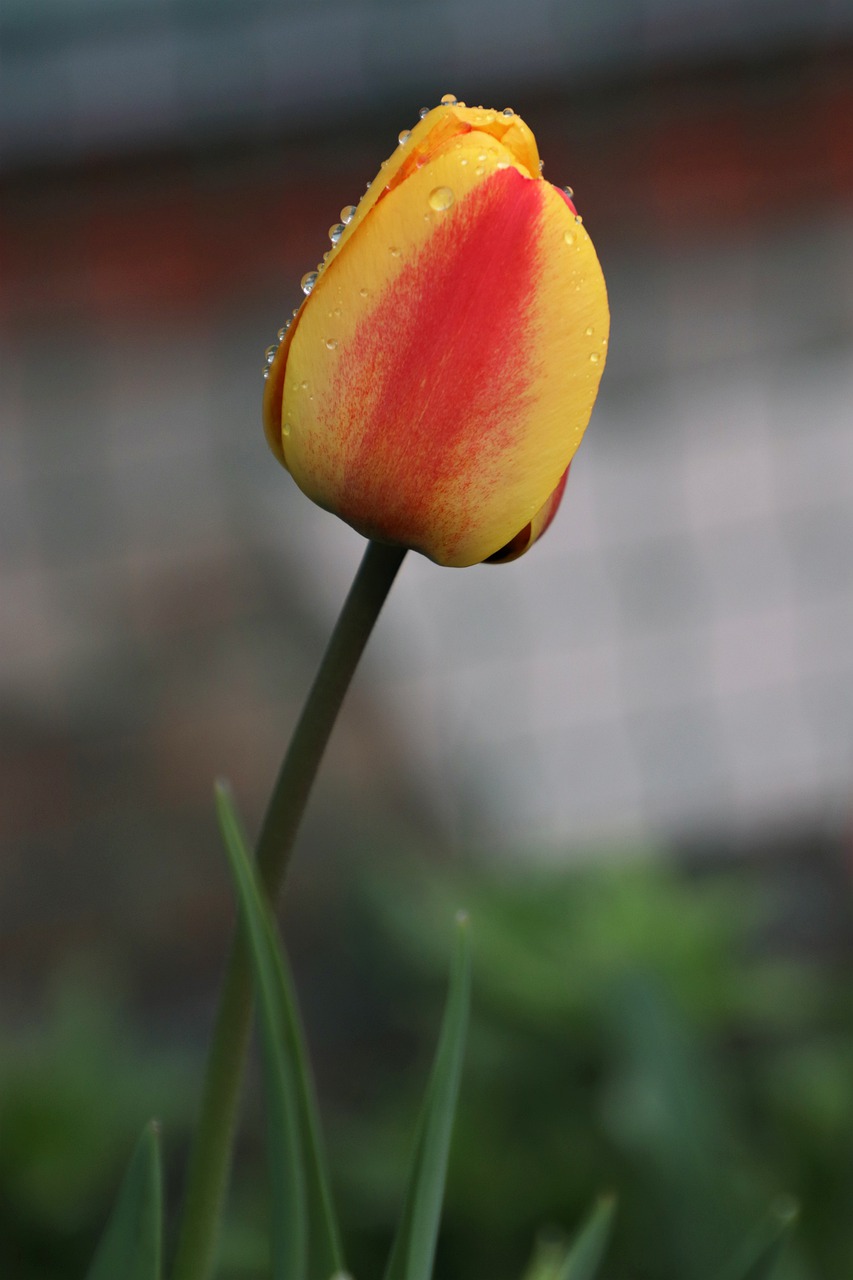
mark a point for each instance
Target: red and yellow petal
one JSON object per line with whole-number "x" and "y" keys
{"x": 437, "y": 381}
{"x": 532, "y": 531}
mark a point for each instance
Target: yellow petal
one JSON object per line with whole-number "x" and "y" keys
{"x": 438, "y": 379}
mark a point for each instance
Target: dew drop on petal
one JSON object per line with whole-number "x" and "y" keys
{"x": 449, "y": 100}
{"x": 502, "y": 164}
{"x": 331, "y": 343}
{"x": 541, "y": 166}
{"x": 308, "y": 281}
{"x": 266, "y": 372}
{"x": 441, "y": 198}
{"x": 568, "y": 191}
{"x": 295, "y": 312}
{"x": 479, "y": 171}
{"x": 594, "y": 357}
{"x": 569, "y": 237}
{"x": 269, "y": 354}
{"x": 507, "y": 111}
{"x": 578, "y": 218}
{"x": 589, "y": 331}
{"x": 336, "y": 231}
{"x": 303, "y": 386}
{"x": 424, "y": 112}
{"x": 283, "y": 330}
{"x": 394, "y": 251}
{"x": 362, "y": 293}
{"x": 464, "y": 160}
{"x": 347, "y": 214}
{"x": 285, "y": 429}
{"x": 403, "y": 136}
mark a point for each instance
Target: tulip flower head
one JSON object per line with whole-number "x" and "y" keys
{"x": 433, "y": 386}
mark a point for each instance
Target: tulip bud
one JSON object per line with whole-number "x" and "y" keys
{"x": 436, "y": 381}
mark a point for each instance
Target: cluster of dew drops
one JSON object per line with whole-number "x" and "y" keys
{"x": 440, "y": 199}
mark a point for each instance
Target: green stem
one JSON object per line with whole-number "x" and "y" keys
{"x": 210, "y": 1157}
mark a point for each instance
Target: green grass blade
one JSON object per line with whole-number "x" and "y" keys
{"x": 757, "y": 1258}
{"x": 413, "y": 1251}
{"x": 289, "y": 1232}
{"x": 587, "y": 1250}
{"x": 304, "y": 1222}
{"x": 325, "y": 1255}
{"x": 132, "y": 1243}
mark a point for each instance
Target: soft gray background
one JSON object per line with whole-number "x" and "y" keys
{"x": 672, "y": 661}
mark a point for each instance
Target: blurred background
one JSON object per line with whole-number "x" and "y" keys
{"x": 630, "y": 753}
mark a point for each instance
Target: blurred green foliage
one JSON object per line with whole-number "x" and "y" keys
{"x": 635, "y": 1031}
{"x": 75, "y": 1091}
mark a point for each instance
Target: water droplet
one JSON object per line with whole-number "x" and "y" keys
{"x": 286, "y": 429}
{"x": 507, "y": 111}
{"x": 479, "y": 171}
{"x": 594, "y": 357}
{"x": 368, "y": 184}
{"x": 331, "y": 343}
{"x": 283, "y": 330}
{"x": 266, "y": 372}
{"x": 424, "y": 111}
{"x": 303, "y": 386}
{"x": 502, "y": 164}
{"x": 441, "y": 198}
{"x": 336, "y": 230}
{"x": 347, "y": 214}
{"x": 362, "y": 292}
{"x": 464, "y": 160}
{"x": 395, "y": 252}
{"x": 308, "y": 281}
{"x": 569, "y": 237}
{"x": 568, "y": 191}
{"x": 403, "y": 136}
{"x": 336, "y": 313}
{"x": 449, "y": 100}
{"x": 295, "y": 312}
{"x": 269, "y": 354}
{"x": 541, "y": 166}
{"x": 589, "y": 331}
{"x": 482, "y": 157}
{"x": 578, "y": 218}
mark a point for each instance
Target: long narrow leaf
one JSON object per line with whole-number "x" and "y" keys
{"x": 287, "y": 1181}
{"x": 131, "y": 1246}
{"x": 306, "y": 1239}
{"x": 757, "y": 1258}
{"x": 325, "y": 1256}
{"x": 585, "y": 1255}
{"x": 413, "y": 1251}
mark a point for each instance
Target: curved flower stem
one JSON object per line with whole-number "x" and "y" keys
{"x": 210, "y": 1156}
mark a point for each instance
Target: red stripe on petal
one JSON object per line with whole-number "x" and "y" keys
{"x": 436, "y": 381}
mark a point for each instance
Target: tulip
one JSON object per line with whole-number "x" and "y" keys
{"x": 435, "y": 383}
